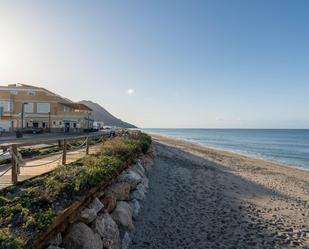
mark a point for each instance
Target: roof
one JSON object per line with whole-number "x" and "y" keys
{"x": 65, "y": 101}
{"x": 26, "y": 87}
{"x": 77, "y": 106}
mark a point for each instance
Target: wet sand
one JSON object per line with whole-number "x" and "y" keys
{"x": 204, "y": 198}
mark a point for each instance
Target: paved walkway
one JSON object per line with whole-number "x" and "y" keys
{"x": 4, "y": 141}
{"x": 56, "y": 159}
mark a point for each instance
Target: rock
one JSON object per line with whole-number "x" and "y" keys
{"x": 57, "y": 240}
{"x": 139, "y": 167}
{"x": 135, "y": 207}
{"x": 145, "y": 184}
{"x": 148, "y": 168}
{"x": 54, "y": 247}
{"x": 130, "y": 177}
{"x": 139, "y": 193}
{"x": 100, "y": 194}
{"x": 137, "y": 170}
{"x": 121, "y": 190}
{"x": 123, "y": 215}
{"x": 81, "y": 236}
{"x": 109, "y": 203}
{"x": 96, "y": 205}
{"x": 106, "y": 227}
{"x": 87, "y": 215}
{"x": 126, "y": 241}
{"x": 99, "y": 242}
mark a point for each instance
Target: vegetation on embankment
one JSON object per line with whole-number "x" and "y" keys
{"x": 26, "y": 210}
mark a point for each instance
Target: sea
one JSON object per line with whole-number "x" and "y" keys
{"x": 285, "y": 146}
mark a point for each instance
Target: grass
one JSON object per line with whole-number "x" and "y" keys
{"x": 27, "y": 211}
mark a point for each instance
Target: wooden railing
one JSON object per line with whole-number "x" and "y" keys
{"x": 64, "y": 143}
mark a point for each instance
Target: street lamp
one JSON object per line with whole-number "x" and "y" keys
{"x": 88, "y": 122}
{"x": 22, "y": 115}
{"x": 49, "y": 122}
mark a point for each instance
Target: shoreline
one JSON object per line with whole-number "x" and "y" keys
{"x": 162, "y": 138}
{"x": 288, "y": 181}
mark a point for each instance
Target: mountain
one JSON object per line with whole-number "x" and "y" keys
{"x": 100, "y": 114}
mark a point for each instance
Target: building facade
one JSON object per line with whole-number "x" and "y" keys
{"x": 41, "y": 109}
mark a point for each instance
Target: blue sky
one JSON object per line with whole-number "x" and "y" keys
{"x": 236, "y": 64}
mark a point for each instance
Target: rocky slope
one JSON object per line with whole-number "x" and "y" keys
{"x": 101, "y": 114}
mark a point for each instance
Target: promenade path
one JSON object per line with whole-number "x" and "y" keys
{"x": 28, "y": 171}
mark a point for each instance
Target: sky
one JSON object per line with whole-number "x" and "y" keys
{"x": 184, "y": 64}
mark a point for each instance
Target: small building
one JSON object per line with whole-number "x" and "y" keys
{"x": 42, "y": 109}
{"x": 98, "y": 125}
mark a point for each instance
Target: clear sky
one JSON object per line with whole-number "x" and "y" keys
{"x": 233, "y": 63}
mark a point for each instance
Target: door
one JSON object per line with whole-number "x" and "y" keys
{"x": 67, "y": 127}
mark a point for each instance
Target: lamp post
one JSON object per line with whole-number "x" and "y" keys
{"x": 88, "y": 122}
{"x": 49, "y": 122}
{"x": 22, "y": 115}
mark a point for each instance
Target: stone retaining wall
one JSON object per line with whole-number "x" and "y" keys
{"x": 108, "y": 220}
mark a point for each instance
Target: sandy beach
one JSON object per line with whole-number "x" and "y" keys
{"x": 205, "y": 198}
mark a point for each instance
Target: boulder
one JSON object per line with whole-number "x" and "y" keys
{"x": 126, "y": 241}
{"x": 87, "y": 215}
{"x": 137, "y": 170}
{"x": 145, "y": 184}
{"x": 120, "y": 190}
{"x": 109, "y": 203}
{"x": 123, "y": 215}
{"x": 96, "y": 205}
{"x": 54, "y": 247}
{"x": 140, "y": 167}
{"x": 100, "y": 194}
{"x": 130, "y": 177}
{"x": 135, "y": 207}
{"x": 138, "y": 193}
{"x": 148, "y": 168}
{"x": 81, "y": 236}
{"x": 106, "y": 227}
{"x": 57, "y": 240}
{"x": 148, "y": 164}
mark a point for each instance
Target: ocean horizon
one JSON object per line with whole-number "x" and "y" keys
{"x": 284, "y": 146}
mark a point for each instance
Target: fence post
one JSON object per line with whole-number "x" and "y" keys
{"x": 59, "y": 144}
{"x": 87, "y": 147}
{"x": 64, "y": 152}
{"x": 14, "y": 164}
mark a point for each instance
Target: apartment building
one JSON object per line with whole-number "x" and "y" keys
{"x": 41, "y": 108}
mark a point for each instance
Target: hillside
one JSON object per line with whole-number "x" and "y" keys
{"x": 100, "y": 114}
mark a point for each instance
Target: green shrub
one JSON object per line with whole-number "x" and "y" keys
{"x": 33, "y": 209}
{"x": 9, "y": 241}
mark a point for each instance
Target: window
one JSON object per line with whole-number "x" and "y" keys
{"x": 31, "y": 93}
{"x": 54, "y": 123}
{"x": 60, "y": 123}
{"x": 28, "y": 107}
{"x": 14, "y": 92}
{"x": 7, "y": 106}
{"x": 43, "y": 107}
{"x": 66, "y": 109}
